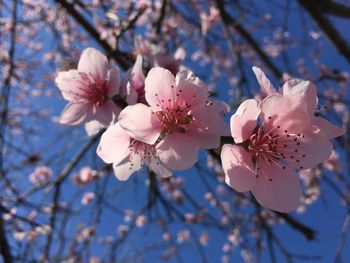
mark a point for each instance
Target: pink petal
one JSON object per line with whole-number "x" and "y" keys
{"x": 314, "y": 146}
{"x": 277, "y": 108}
{"x": 137, "y": 77}
{"x": 113, "y": 84}
{"x": 160, "y": 88}
{"x": 328, "y": 129}
{"x": 132, "y": 96}
{"x": 180, "y": 54}
{"x": 69, "y": 83}
{"x": 107, "y": 113}
{"x": 305, "y": 89}
{"x": 75, "y": 113}
{"x": 114, "y": 145}
{"x": 282, "y": 193}
{"x": 178, "y": 151}
{"x": 244, "y": 121}
{"x": 190, "y": 90}
{"x": 264, "y": 82}
{"x": 94, "y": 62}
{"x": 127, "y": 167}
{"x": 93, "y": 127}
{"x": 238, "y": 167}
{"x": 209, "y": 125}
{"x": 139, "y": 120}
{"x": 160, "y": 169}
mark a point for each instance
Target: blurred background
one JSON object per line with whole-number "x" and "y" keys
{"x": 60, "y": 203}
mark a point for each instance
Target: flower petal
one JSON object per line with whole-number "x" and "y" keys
{"x": 238, "y": 167}
{"x": 244, "y": 121}
{"x": 190, "y": 90}
{"x": 306, "y": 89}
{"x": 178, "y": 151}
{"x": 127, "y": 167}
{"x": 94, "y": 62}
{"x": 137, "y": 78}
{"x": 75, "y": 113}
{"x": 277, "y": 108}
{"x": 159, "y": 88}
{"x": 314, "y": 148}
{"x": 209, "y": 125}
{"x": 264, "y": 82}
{"x": 70, "y": 84}
{"x": 107, "y": 113}
{"x": 93, "y": 127}
{"x": 281, "y": 193}
{"x": 160, "y": 169}
{"x": 114, "y": 145}
{"x": 139, "y": 120}
{"x": 113, "y": 84}
{"x": 328, "y": 129}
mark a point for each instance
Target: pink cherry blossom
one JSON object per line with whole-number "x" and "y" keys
{"x": 268, "y": 151}
{"x": 87, "y": 198}
{"x": 40, "y": 175}
{"x": 127, "y": 154}
{"x": 180, "y": 118}
{"x": 89, "y": 90}
{"x": 133, "y": 87}
{"x": 307, "y": 91}
{"x": 156, "y": 57}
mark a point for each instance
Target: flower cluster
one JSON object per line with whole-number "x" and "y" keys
{"x": 171, "y": 117}
{"x": 273, "y": 138}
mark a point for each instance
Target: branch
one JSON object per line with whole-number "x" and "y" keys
{"x": 327, "y": 27}
{"x": 117, "y": 55}
{"x": 334, "y": 8}
{"x": 58, "y": 182}
{"x": 308, "y": 232}
{"x": 228, "y": 20}
{"x": 4, "y": 246}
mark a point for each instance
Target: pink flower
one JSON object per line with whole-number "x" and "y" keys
{"x": 40, "y": 175}
{"x": 133, "y": 87}
{"x": 267, "y": 152}
{"x": 89, "y": 90}
{"x": 87, "y": 175}
{"x": 308, "y": 93}
{"x": 88, "y": 197}
{"x": 180, "y": 118}
{"x": 127, "y": 154}
{"x": 156, "y": 57}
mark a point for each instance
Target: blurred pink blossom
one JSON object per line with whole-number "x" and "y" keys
{"x": 40, "y": 175}
{"x": 140, "y": 221}
{"x": 133, "y": 86}
{"x": 86, "y": 175}
{"x": 122, "y": 230}
{"x": 89, "y": 90}
{"x": 87, "y": 198}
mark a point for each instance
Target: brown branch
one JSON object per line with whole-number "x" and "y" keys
{"x": 308, "y": 232}
{"x": 334, "y": 8}
{"x": 4, "y": 246}
{"x": 159, "y": 22}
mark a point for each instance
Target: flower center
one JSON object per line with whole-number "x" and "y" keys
{"x": 147, "y": 152}
{"x": 174, "y": 119}
{"x": 277, "y": 146}
{"x": 93, "y": 89}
